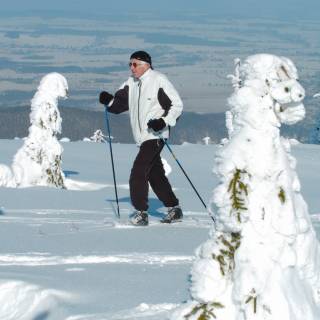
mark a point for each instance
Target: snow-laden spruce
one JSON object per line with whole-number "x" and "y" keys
{"x": 38, "y": 162}
{"x": 262, "y": 261}
{"x": 98, "y": 136}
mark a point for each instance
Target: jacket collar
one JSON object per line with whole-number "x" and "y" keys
{"x": 145, "y": 75}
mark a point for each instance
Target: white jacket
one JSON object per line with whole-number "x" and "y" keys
{"x": 152, "y": 96}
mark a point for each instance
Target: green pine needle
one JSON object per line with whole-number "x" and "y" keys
{"x": 238, "y": 192}
{"x": 282, "y": 195}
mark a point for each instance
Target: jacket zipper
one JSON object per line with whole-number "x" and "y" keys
{"x": 139, "y": 85}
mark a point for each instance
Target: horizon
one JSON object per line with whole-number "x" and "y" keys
{"x": 289, "y": 9}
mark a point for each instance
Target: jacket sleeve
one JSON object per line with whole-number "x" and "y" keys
{"x": 120, "y": 102}
{"x": 170, "y": 101}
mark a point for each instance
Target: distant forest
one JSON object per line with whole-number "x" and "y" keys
{"x": 78, "y": 124}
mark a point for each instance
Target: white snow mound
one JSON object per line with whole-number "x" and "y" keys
{"x": 21, "y": 300}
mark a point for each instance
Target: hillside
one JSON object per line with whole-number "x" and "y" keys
{"x": 79, "y": 123}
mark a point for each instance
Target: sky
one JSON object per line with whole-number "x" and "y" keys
{"x": 291, "y": 9}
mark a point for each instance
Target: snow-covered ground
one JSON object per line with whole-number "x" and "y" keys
{"x": 64, "y": 254}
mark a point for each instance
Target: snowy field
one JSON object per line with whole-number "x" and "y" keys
{"x": 65, "y": 255}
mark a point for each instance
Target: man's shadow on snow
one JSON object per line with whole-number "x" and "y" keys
{"x": 154, "y": 206}
{"x": 42, "y": 316}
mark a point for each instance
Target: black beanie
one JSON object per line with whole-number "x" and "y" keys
{"x": 142, "y": 56}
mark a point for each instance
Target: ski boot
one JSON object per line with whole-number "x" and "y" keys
{"x": 174, "y": 214}
{"x": 140, "y": 218}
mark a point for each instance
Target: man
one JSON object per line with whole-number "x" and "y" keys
{"x": 153, "y": 105}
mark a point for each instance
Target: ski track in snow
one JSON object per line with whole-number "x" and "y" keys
{"x": 90, "y": 220}
{"x": 44, "y": 259}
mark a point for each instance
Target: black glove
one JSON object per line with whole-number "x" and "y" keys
{"x": 156, "y": 124}
{"x": 105, "y": 97}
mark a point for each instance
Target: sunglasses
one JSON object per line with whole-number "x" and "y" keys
{"x": 135, "y": 64}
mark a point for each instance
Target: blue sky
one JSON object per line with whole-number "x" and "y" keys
{"x": 286, "y": 9}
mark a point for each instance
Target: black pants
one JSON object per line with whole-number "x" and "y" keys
{"x": 148, "y": 168}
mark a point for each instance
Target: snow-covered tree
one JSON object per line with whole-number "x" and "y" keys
{"x": 98, "y": 136}
{"x": 206, "y": 140}
{"x": 262, "y": 260}
{"x": 38, "y": 162}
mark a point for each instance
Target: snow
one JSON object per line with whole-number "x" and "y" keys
{"x": 206, "y": 140}
{"x": 262, "y": 260}
{"x": 70, "y": 241}
{"x": 65, "y": 253}
{"x": 21, "y": 300}
{"x": 6, "y": 176}
{"x": 98, "y": 136}
{"x": 166, "y": 166}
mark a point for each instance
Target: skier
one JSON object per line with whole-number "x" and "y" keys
{"x": 154, "y": 105}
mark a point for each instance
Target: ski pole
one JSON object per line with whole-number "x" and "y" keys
{"x": 111, "y": 155}
{"x": 193, "y": 187}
